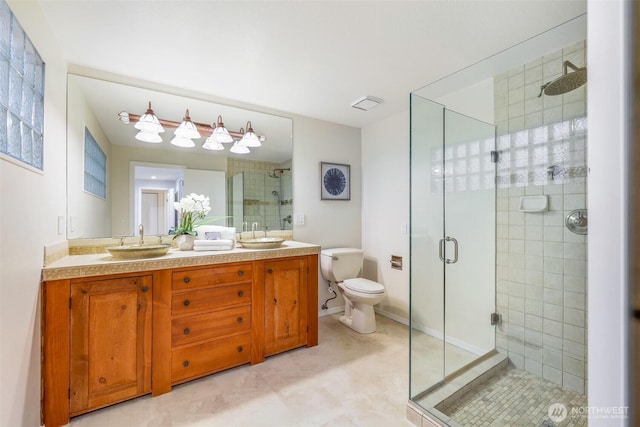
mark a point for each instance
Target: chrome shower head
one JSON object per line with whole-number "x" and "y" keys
{"x": 567, "y": 82}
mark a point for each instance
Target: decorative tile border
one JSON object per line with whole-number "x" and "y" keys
{"x": 102, "y": 264}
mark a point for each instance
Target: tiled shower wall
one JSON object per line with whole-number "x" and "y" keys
{"x": 260, "y": 205}
{"x": 541, "y": 265}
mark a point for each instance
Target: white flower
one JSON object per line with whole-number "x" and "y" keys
{"x": 196, "y": 203}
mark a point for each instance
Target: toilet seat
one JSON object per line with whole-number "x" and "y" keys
{"x": 364, "y": 286}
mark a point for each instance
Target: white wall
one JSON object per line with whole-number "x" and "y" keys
{"x": 329, "y": 223}
{"x": 608, "y": 41}
{"x": 385, "y": 209}
{"x": 31, "y": 203}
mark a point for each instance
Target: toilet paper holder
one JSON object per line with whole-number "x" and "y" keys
{"x": 396, "y": 262}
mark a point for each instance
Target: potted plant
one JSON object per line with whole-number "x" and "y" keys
{"x": 193, "y": 213}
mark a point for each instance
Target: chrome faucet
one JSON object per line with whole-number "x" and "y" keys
{"x": 141, "y": 231}
{"x": 254, "y": 227}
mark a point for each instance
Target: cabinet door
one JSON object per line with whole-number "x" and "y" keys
{"x": 285, "y": 306}
{"x": 110, "y": 341}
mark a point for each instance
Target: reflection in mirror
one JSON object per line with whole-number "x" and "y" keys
{"x": 143, "y": 179}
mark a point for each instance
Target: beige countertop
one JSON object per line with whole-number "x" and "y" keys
{"x": 73, "y": 266}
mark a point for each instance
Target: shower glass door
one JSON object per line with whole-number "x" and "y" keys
{"x": 469, "y": 239}
{"x": 452, "y": 243}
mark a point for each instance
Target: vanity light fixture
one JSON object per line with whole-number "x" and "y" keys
{"x": 211, "y": 144}
{"x": 220, "y": 133}
{"x": 239, "y": 149}
{"x": 151, "y": 137}
{"x": 148, "y": 122}
{"x": 250, "y": 139}
{"x": 188, "y": 130}
{"x": 181, "y": 141}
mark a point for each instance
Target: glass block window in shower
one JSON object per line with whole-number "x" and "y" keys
{"x": 21, "y": 94}
{"x": 95, "y": 167}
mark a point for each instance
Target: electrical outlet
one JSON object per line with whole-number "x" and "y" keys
{"x": 298, "y": 219}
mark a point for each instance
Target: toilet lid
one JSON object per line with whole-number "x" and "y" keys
{"x": 364, "y": 285}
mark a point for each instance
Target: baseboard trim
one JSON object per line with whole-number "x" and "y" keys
{"x": 436, "y": 334}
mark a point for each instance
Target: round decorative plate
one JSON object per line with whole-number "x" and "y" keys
{"x": 334, "y": 181}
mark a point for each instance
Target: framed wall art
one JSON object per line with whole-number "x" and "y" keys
{"x": 335, "y": 181}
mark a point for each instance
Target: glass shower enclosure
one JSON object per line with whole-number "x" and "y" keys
{"x": 453, "y": 209}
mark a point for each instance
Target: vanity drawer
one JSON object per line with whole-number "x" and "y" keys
{"x": 219, "y": 275}
{"x": 209, "y": 357}
{"x": 190, "y": 302}
{"x": 211, "y": 325}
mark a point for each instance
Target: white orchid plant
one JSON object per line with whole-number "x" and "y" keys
{"x": 193, "y": 213}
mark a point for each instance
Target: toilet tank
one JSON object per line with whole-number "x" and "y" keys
{"x": 339, "y": 264}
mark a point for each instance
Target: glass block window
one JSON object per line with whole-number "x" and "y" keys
{"x": 95, "y": 166}
{"x": 21, "y": 93}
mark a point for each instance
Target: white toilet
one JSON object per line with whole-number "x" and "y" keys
{"x": 341, "y": 266}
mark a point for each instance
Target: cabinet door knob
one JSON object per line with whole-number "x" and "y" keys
{"x": 240, "y": 319}
{"x": 270, "y": 271}
{"x": 187, "y": 331}
{"x": 186, "y": 303}
{"x": 240, "y": 273}
{"x": 240, "y": 349}
{"x": 240, "y": 294}
{"x": 145, "y": 289}
{"x": 187, "y": 280}
{"x": 185, "y": 363}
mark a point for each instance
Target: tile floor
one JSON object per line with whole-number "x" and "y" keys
{"x": 347, "y": 380}
{"x": 514, "y": 398}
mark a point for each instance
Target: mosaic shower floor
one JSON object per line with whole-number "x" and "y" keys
{"x": 516, "y": 398}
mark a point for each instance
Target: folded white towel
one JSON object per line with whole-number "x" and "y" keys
{"x": 219, "y": 242}
{"x": 212, "y": 248}
{"x": 225, "y": 232}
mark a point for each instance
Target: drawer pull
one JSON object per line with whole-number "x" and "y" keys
{"x": 185, "y": 363}
{"x": 270, "y": 271}
{"x": 186, "y": 303}
{"x": 187, "y": 280}
{"x": 187, "y": 331}
{"x": 102, "y": 380}
{"x": 240, "y": 273}
{"x": 240, "y": 294}
{"x": 240, "y": 319}
{"x": 145, "y": 289}
{"x": 240, "y": 349}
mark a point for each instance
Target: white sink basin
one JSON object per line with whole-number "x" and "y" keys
{"x": 262, "y": 243}
{"x": 138, "y": 251}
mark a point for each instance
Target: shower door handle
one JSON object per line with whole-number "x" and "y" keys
{"x": 441, "y": 250}
{"x": 455, "y": 250}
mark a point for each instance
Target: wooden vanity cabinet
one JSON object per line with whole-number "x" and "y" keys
{"x": 114, "y": 337}
{"x": 285, "y": 305}
{"x": 110, "y": 356}
{"x": 210, "y": 319}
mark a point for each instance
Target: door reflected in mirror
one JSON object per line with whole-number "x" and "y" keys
{"x": 247, "y": 188}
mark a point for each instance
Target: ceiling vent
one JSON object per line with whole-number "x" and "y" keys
{"x": 366, "y": 103}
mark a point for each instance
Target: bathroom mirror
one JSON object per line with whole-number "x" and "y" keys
{"x": 125, "y": 182}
